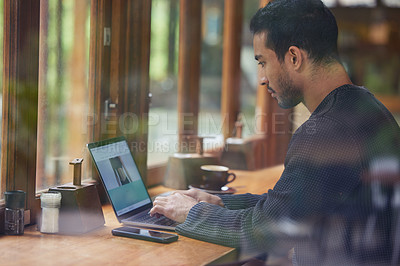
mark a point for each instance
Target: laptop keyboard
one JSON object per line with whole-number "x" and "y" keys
{"x": 146, "y": 218}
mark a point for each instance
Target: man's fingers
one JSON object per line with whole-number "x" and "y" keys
{"x": 175, "y": 206}
{"x": 157, "y": 209}
{"x": 158, "y": 206}
{"x": 159, "y": 200}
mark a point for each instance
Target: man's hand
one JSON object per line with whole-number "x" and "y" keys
{"x": 175, "y": 206}
{"x": 202, "y": 196}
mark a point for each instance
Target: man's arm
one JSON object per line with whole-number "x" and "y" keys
{"x": 241, "y": 201}
{"x": 321, "y": 170}
{"x": 232, "y": 202}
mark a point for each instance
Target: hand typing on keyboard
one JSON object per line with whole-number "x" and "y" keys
{"x": 175, "y": 206}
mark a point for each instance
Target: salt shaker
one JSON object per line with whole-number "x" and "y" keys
{"x": 14, "y": 212}
{"x": 50, "y": 202}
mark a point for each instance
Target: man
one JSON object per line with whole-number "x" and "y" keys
{"x": 320, "y": 193}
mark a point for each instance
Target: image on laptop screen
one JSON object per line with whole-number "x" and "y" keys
{"x": 120, "y": 176}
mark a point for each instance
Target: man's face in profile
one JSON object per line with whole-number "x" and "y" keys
{"x": 273, "y": 74}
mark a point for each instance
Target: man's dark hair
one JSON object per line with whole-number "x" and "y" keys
{"x": 307, "y": 24}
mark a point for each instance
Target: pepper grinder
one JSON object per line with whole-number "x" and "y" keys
{"x": 80, "y": 210}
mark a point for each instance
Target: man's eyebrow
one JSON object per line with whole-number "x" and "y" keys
{"x": 257, "y": 57}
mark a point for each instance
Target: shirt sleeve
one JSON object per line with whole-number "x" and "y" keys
{"x": 320, "y": 172}
{"x": 241, "y": 201}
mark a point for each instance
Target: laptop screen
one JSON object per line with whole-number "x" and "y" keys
{"x": 120, "y": 175}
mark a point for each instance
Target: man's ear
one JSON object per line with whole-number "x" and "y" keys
{"x": 294, "y": 57}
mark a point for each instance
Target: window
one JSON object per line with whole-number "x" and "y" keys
{"x": 368, "y": 45}
{"x": 63, "y": 90}
{"x": 249, "y": 82}
{"x": 61, "y": 85}
{"x": 163, "y": 116}
{"x": 211, "y": 74}
{"x": 20, "y": 97}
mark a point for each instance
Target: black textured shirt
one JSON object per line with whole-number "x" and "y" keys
{"x": 315, "y": 205}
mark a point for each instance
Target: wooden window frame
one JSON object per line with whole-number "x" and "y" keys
{"x": 20, "y": 83}
{"x": 20, "y": 99}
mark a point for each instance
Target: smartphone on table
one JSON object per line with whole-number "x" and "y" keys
{"x": 144, "y": 234}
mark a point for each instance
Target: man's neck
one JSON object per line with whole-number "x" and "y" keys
{"x": 321, "y": 82}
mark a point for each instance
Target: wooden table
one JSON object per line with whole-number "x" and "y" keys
{"x": 100, "y": 247}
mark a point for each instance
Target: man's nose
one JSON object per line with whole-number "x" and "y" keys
{"x": 263, "y": 81}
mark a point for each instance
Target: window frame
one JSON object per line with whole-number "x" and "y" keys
{"x": 20, "y": 99}
{"x": 21, "y": 66}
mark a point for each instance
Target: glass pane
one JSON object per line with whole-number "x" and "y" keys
{"x": 163, "y": 117}
{"x": 367, "y": 50}
{"x": 2, "y": 186}
{"x": 211, "y": 73}
{"x": 248, "y": 88}
{"x": 63, "y": 89}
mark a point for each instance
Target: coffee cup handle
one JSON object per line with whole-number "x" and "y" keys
{"x": 229, "y": 175}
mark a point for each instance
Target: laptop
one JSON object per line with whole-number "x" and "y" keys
{"x": 124, "y": 185}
